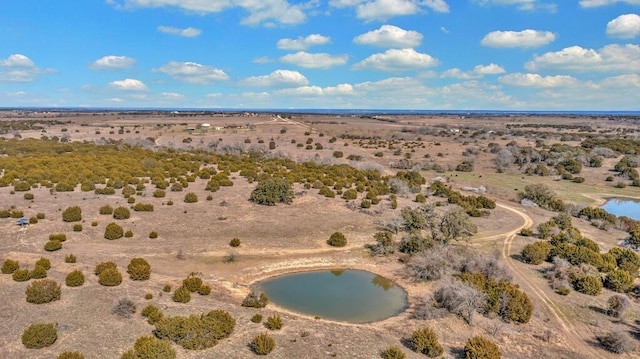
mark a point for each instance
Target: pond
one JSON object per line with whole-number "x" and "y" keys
{"x": 623, "y": 207}
{"x": 347, "y": 295}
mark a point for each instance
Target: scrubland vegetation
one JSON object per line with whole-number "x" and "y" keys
{"x": 437, "y": 207}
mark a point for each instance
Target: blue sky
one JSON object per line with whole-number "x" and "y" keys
{"x": 363, "y": 54}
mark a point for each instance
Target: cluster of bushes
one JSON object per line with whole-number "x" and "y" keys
{"x": 108, "y": 274}
{"x": 196, "y": 332}
{"x": 502, "y": 297}
{"x": 255, "y": 300}
{"x": 272, "y": 191}
{"x": 543, "y": 196}
{"x": 475, "y": 206}
{"x": 39, "y": 271}
{"x": 150, "y": 347}
{"x": 43, "y": 291}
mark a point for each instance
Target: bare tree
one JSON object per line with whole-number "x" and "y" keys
{"x": 460, "y": 299}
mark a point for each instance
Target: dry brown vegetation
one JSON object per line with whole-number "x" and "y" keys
{"x": 165, "y": 165}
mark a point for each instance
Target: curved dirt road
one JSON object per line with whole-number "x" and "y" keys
{"x": 576, "y": 340}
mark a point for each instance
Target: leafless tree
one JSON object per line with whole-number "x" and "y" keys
{"x": 459, "y": 298}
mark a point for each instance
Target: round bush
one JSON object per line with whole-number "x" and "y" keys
{"x": 102, "y": 266}
{"x": 9, "y": 266}
{"x": 257, "y": 318}
{"x": 72, "y": 214}
{"x": 588, "y": 284}
{"x": 204, "y": 290}
{"x": 52, "y": 246}
{"x": 139, "y": 269}
{"x": 44, "y": 263}
{"x": 74, "y": 279}
{"x": 181, "y": 295}
{"x": 254, "y": 300}
{"x": 481, "y": 348}
{"x": 337, "y": 239}
{"x": 190, "y": 198}
{"x": 192, "y": 283}
{"x": 619, "y": 281}
{"x": 153, "y": 235}
{"x": 70, "y": 355}
{"x": 235, "y": 242}
{"x": 28, "y": 196}
{"x": 166, "y": 288}
{"x": 196, "y": 332}
{"x": 110, "y": 277}
{"x": 113, "y": 231}
{"x": 21, "y": 275}
{"x": 393, "y": 352}
{"x": 149, "y": 347}
{"x": 43, "y": 291}
{"x": 38, "y": 272}
{"x": 263, "y": 344}
{"x": 77, "y": 227}
{"x": 39, "y": 335}
{"x": 537, "y": 252}
{"x": 58, "y": 237}
{"x": 121, "y": 213}
{"x": 106, "y": 209}
{"x": 272, "y": 191}
{"x": 425, "y": 341}
{"x": 128, "y": 234}
{"x": 274, "y": 322}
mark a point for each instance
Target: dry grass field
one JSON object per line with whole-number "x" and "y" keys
{"x": 194, "y": 237}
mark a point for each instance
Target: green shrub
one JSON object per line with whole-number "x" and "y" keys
{"x": 33, "y": 220}
{"x": 113, "y": 231}
{"x": 425, "y": 341}
{"x": 121, "y": 213}
{"x": 153, "y": 235}
{"x": 204, "y": 290}
{"x": 393, "y": 352}
{"x": 61, "y": 237}
{"x": 235, "y": 242}
{"x": 28, "y": 196}
{"x": 39, "y": 335}
{"x": 38, "y": 272}
{"x": 257, "y": 318}
{"x": 52, "y": 246}
{"x": 152, "y": 313}
{"x": 106, "y": 209}
{"x": 255, "y": 300}
{"x": 526, "y": 232}
{"x": 70, "y": 355}
{"x": 110, "y": 277}
{"x": 619, "y": 281}
{"x": 480, "y": 347}
{"x": 166, "y": 288}
{"x": 190, "y": 198}
{"x": 181, "y": 295}
{"x": 196, "y": 332}
{"x": 143, "y": 207}
{"x": 192, "y": 283}
{"x": 274, "y": 322}
{"x": 159, "y": 193}
{"x": 148, "y": 296}
{"x": 40, "y": 215}
{"x": 263, "y": 344}
{"x": 537, "y": 252}
{"x": 128, "y": 234}
{"x": 588, "y": 284}
{"x": 272, "y": 191}
{"x": 21, "y": 275}
{"x": 44, "y": 263}
{"x": 94, "y": 224}
{"x": 421, "y": 198}
{"x": 139, "y": 269}
{"x": 43, "y": 291}
{"x": 9, "y": 266}
{"x": 72, "y": 214}
{"x": 100, "y": 267}
{"x": 350, "y": 194}
{"x": 74, "y": 279}
{"x": 150, "y": 347}
{"x": 77, "y": 227}
{"x": 337, "y": 239}
{"x": 338, "y": 154}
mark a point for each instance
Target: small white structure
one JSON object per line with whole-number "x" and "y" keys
{"x": 205, "y": 126}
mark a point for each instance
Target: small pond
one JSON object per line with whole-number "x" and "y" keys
{"x": 623, "y": 207}
{"x": 347, "y": 295}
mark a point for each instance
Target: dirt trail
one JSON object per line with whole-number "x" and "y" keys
{"x": 577, "y": 340}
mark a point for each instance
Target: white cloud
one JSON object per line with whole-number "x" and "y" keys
{"x": 526, "y": 38}
{"x": 385, "y": 9}
{"x": 315, "y": 61}
{"x": 524, "y": 5}
{"x": 344, "y": 3}
{"x": 397, "y": 60}
{"x": 112, "y": 63}
{"x": 622, "y": 81}
{"x": 277, "y": 78}
{"x": 575, "y": 58}
{"x": 597, "y": 3}
{"x": 535, "y": 80}
{"x": 315, "y": 91}
{"x": 262, "y": 60}
{"x": 129, "y": 85}
{"x": 172, "y": 96}
{"x": 477, "y": 72}
{"x": 624, "y": 26}
{"x": 390, "y": 36}
{"x": 303, "y": 43}
{"x": 260, "y": 11}
{"x": 192, "y": 72}
{"x": 187, "y": 32}
{"x": 20, "y": 68}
